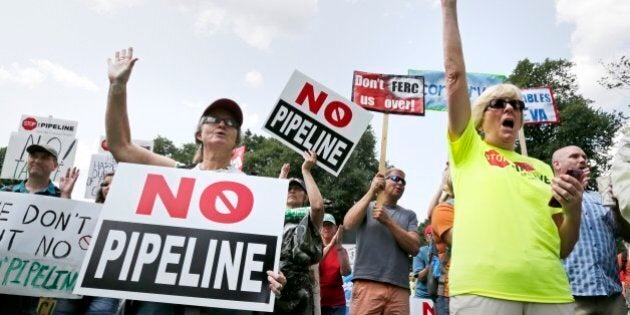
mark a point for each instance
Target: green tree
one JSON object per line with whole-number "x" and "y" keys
{"x": 617, "y": 74}
{"x": 166, "y": 147}
{"x": 580, "y": 124}
{"x": 265, "y": 156}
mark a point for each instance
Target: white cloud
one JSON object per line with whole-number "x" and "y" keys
{"x": 601, "y": 33}
{"x": 254, "y": 79}
{"x": 108, "y": 6}
{"x": 39, "y": 71}
{"x": 257, "y": 23}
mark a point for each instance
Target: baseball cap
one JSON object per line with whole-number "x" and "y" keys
{"x": 298, "y": 182}
{"x": 329, "y": 218}
{"x": 42, "y": 148}
{"x": 428, "y": 230}
{"x": 227, "y": 104}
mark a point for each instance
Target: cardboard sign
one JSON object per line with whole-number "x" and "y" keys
{"x": 14, "y": 166}
{"x": 420, "y": 306}
{"x": 540, "y": 106}
{"x": 238, "y": 157}
{"x": 43, "y": 241}
{"x": 435, "y": 86}
{"x": 187, "y": 237}
{"x": 100, "y": 164}
{"x": 387, "y": 93}
{"x": 309, "y": 116}
{"x": 48, "y": 126}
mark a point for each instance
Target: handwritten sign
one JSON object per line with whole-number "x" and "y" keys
{"x": 42, "y": 243}
{"x": 100, "y": 165}
{"x": 388, "y": 93}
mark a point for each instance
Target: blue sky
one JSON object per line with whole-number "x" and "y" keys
{"x": 53, "y": 60}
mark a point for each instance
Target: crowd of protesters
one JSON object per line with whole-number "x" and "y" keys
{"x": 507, "y": 234}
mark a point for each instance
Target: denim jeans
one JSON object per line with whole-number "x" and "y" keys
{"x": 87, "y": 305}
{"x": 441, "y": 305}
{"x": 334, "y": 310}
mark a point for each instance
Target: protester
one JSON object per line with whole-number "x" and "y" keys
{"x": 218, "y": 133}
{"x": 386, "y": 235}
{"x": 91, "y": 305}
{"x": 301, "y": 242}
{"x": 333, "y": 266}
{"x": 508, "y": 249}
{"x": 41, "y": 163}
{"x": 591, "y": 266}
{"x": 421, "y": 266}
{"x": 442, "y": 225}
{"x": 624, "y": 272}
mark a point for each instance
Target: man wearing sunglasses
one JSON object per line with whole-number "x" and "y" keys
{"x": 386, "y": 235}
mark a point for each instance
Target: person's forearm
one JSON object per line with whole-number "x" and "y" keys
{"x": 117, "y": 121}
{"x": 422, "y": 275}
{"x": 315, "y": 198}
{"x": 344, "y": 261}
{"x": 455, "y": 71}
{"x": 569, "y": 233}
{"x": 408, "y": 241}
{"x": 357, "y": 213}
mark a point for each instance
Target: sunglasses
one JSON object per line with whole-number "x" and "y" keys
{"x": 397, "y": 179}
{"x": 104, "y": 184}
{"x": 502, "y": 103}
{"x": 216, "y": 120}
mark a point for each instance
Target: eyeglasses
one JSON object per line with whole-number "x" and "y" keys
{"x": 502, "y": 103}
{"x": 104, "y": 184}
{"x": 397, "y": 179}
{"x": 216, "y": 120}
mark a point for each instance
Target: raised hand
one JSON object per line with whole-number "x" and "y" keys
{"x": 310, "y": 159}
{"x": 119, "y": 69}
{"x": 378, "y": 183}
{"x": 284, "y": 171}
{"x": 66, "y": 185}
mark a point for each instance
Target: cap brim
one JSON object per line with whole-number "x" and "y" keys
{"x": 226, "y": 104}
{"x": 39, "y": 148}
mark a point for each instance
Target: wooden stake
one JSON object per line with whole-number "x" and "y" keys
{"x": 521, "y": 139}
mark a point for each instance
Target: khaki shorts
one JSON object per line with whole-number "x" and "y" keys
{"x": 371, "y": 297}
{"x": 478, "y": 305}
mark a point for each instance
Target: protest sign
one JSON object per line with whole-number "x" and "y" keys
{"x": 48, "y": 126}
{"x": 14, "y": 166}
{"x": 100, "y": 164}
{"x": 238, "y": 157}
{"x": 42, "y": 243}
{"x": 435, "y": 86}
{"x": 420, "y": 306}
{"x": 187, "y": 237}
{"x": 387, "y": 93}
{"x": 309, "y": 116}
{"x": 540, "y": 106}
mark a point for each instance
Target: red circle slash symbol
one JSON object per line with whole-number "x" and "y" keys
{"x": 84, "y": 241}
{"x": 238, "y": 210}
{"x": 29, "y": 123}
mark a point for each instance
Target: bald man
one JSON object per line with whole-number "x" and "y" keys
{"x": 592, "y": 266}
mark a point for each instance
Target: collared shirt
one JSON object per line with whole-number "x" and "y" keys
{"x": 592, "y": 265}
{"x": 51, "y": 190}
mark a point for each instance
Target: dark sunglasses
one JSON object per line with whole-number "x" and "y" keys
{"x": 502, "y": 103}
{"x": 216, "y": 120}
{"x": 397, "y": 179}
{"x": 104, "y": 184}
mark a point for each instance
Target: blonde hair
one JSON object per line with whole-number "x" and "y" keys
{"x": 505, "y": 90}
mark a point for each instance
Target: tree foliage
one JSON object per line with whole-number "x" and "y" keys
{"x": 166, "y": 147}
{"x": 580, "y": 124}
{"x": 617, "y": 74}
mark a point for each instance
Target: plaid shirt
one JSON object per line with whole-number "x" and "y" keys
{"x": 592, "y": 265}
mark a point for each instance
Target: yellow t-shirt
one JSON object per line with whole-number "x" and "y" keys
{"x": 505, "y": 242}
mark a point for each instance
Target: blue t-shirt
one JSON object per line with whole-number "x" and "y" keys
{"x": 420, "y": 261}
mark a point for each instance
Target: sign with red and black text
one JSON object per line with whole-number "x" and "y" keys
{"x": 310, "y": 116}
{"x": 388, "y": 93}
{"x": 187, "y": 237}
{"x": 43, "y": 241}
{"x": 540, "y": 106}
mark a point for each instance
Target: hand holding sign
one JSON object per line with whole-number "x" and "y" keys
{"x": 310, "y": 158}
{"x": 378, "y": 184}
{"x": 277, "y": 281}
{"x": 119, "y": 70}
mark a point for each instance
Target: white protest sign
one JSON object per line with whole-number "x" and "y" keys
{"x": 100, "y": 165}
{"x": 420, "y": 306}
{"x": 310, "y": 116}
{"x": 540, "y": 106}
{"x": 42, "y": 243}
{"x": 14, "y": 166}
{"x": 187, "y": 237}
{"x": 48, "y": 126}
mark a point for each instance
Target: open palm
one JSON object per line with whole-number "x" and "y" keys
{"x": 119, "y": 69}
